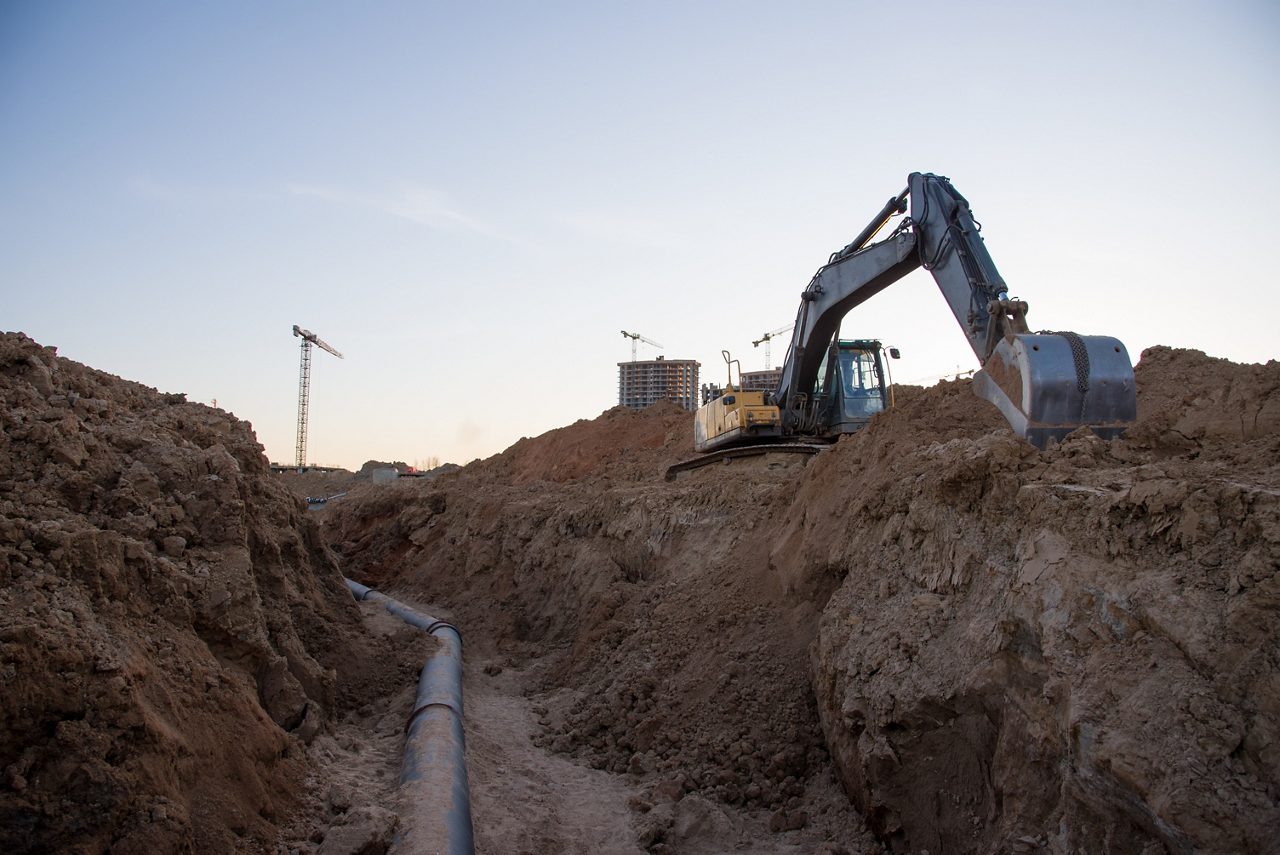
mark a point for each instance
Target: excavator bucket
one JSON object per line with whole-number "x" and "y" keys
{"x": 1049, "y": 384}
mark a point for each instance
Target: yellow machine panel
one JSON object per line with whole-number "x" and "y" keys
{"x": 735, "y": 417}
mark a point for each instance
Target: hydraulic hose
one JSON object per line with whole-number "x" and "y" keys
{"x": 433, "y": 775}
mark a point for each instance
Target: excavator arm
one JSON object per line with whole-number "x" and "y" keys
{"x": 1045, "y": 384}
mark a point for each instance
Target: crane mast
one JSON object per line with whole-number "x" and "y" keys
{"x": 304, "y": 387}
{"x": 765, "y": 339}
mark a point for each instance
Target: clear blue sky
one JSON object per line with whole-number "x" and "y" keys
{"x": 471, "y": 200}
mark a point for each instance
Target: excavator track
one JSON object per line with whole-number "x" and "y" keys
{"x": 728, "y": 454}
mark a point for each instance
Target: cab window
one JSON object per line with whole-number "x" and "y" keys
{"x": 820, "y": 384}
{"x": 861, "y": 384}
{"x": 858, "y": 369}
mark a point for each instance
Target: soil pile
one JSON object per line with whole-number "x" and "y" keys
{"x": 993, "y": 647}
{"x": 315, "y": 484}
{"x": 1189, "y": 395}
{"x": 932, "y": 636}
{"x": 1074, "y": 649}
{"x": 622, "y": 444}
{"x": 318, "y": 485}
{"x": 170, "y": 622}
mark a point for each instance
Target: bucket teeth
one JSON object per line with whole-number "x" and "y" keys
{"x": 1049, "y": 384}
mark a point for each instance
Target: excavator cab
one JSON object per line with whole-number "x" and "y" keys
{"x": 851, "y": 379}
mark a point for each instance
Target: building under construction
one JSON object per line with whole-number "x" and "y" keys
{"x": 760, "y": 381}
{"x": 643, "y": 383}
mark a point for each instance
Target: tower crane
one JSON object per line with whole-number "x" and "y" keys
{"x": 636, "y": 337}
{"x": 304, "y": 386}
{"x": 765, "y": 339}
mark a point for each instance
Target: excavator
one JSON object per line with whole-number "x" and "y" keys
{"x": 1045, "y": 384}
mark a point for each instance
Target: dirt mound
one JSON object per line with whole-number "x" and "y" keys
{"x": 170, "y": 622}
{"x": 1073, "y": 649}
{"x": 999, "y": 648}
{"x": 318, "y": 485}
{"x": 620, "y": 444}
{"x": 370, "y": 466}
{"x": 1203, "y": 398}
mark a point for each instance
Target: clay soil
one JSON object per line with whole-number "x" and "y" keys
{"x": 930, "y": 637}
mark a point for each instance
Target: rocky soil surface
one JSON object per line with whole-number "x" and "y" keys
{"x": 930, "y": 637}
{"x": 992, "y": 648}
{"x": 1074, "y": 650}
{"x": 173, "y": 631}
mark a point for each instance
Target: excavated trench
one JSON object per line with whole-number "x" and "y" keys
{"x": 930, "y": 637}
{"x": 988, "y": 646}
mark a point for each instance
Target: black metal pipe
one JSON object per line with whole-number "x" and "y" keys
{"x": 433, "y": 774}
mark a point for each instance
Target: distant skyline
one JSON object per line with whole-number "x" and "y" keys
{"x": 470, "y": 201}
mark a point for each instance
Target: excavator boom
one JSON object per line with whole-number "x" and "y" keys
{"x": 1045, "y": 384}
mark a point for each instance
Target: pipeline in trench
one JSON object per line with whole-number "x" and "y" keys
{"x": 436, "y": 813}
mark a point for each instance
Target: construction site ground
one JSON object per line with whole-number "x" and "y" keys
{"x": 931, "y": 637}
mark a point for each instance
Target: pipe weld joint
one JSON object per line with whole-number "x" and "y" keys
{"x": 443, "y": 624}
{"x": 420, "y": 710}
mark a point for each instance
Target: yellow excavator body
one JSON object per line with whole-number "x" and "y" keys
{"x": 735, "y": 417}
